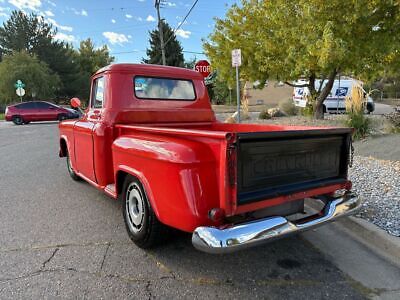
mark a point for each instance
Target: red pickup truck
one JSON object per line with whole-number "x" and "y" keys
{"x": 150, "y": 138}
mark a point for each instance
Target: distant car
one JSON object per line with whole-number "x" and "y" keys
{"x": 24, "y": 113}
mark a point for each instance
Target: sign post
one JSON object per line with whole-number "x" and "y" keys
{"x": 20, "y": 91}
{"x": 237, "y": 62}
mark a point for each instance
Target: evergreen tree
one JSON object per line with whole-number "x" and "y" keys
{"x": 173, "y": 49}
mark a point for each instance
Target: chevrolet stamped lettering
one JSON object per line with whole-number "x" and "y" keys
{"x": 150, "y": 139}
{"x": 270, "y": 165}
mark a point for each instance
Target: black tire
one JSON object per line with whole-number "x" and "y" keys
{"x": 26, "y": 122}
{"x": 71, "y": 171}
{"x": 143, "y": 227}
{"x": 18, "y": 120}
{"x": 62, "y": 117}
{"x": 370, "y": 108}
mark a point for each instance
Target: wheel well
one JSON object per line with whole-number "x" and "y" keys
{"x": 120, "y": 178}
{"x": 63, "y": 148}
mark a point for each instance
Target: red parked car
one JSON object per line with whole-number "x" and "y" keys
{"x": 26, "y": 112}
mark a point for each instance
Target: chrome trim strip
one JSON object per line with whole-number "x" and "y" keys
{"x": 228, "y": 239}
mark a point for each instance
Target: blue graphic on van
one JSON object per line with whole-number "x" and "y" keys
{"x": 299, "y": 91}
{"x": 342, "y": 92}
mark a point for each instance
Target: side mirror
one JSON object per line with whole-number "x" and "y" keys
{"x": 75, "y": 103}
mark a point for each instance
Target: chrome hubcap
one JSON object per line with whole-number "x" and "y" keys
{"x": 134, "y": 207}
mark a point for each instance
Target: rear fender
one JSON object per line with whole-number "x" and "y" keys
{"x": 180, "y": 176}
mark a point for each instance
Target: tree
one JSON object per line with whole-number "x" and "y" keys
{"x": 31, "y": 34}
{"x": 173, "y": 49}
{"x": 41, "y": 82}
{"x": 189, "y": 64}
{"x": 90, "y": 60}
{"x": 22, "y": 32}
{"x": 292, "y": 39}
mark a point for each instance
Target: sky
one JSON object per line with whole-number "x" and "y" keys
{"x": 123, "y": 25}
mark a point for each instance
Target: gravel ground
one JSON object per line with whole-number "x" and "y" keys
{"x": 378, "y": 182}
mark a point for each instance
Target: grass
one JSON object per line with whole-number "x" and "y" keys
{"x": 1, "y": 116}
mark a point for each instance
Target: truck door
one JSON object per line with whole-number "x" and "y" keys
{"x": 83, "y": 131}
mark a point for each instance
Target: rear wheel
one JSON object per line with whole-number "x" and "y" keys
{"x": 143, "y": 227}
{"x": 18, "y": 120}
{"x": 61, "y": 117}
{"x": 71, "y": 171}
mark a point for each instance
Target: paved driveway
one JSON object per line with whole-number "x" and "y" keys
{"x": 60, "y": 238}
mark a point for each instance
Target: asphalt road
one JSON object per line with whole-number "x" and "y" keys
{"x": 60, "y": 238}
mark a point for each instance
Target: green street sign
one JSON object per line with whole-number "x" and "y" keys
{"x": 19, "y": 84}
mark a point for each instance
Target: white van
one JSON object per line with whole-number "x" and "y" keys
{"x": 335, "y": 102}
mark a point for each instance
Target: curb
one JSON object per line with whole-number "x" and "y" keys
{"x": 373, "y": 237}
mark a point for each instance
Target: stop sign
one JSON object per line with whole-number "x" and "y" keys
{"x": 203, "y": 67}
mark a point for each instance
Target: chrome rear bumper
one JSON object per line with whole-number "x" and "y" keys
{"x": 228, "y": 239}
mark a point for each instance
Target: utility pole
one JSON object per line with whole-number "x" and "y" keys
{"x": 160, "y": 30}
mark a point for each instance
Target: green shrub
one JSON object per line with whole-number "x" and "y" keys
{"x": 355, "y": 104}
{"x": 288, "y": 107}
{"x": 1, "y": 116}
{"x": 360, "y": 123}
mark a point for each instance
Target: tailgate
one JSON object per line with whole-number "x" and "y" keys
{"x": 272, "y": 164}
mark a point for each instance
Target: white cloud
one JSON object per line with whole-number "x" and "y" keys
{"x": 51, "y": 3}
{"x": 113, "y": 21}
{"x": 171, "y": 4}
{"x": 115, "y": 38}
{"x": 128, "y": 16}
{"x": 150, "y": 18}
{"x": 139, "y": 19}
{"x": 2, "y": 14}
{"x": 49, "y": 13}
{"x": 81, "y": 12}
{"x": 65, "y": 37}
{"x": 183, "y": 33}
{"x": 141, "y": 0}
{"x": 29, "y": 4}
{"x": 61, "y": 27}
{"x": 129, "y": 36}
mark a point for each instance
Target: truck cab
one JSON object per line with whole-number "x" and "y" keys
{"x": 149, "y": 138}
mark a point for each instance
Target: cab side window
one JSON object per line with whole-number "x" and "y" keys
{"x": 98, "y": 93}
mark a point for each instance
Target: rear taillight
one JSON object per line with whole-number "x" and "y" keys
{"x": 216, "y": 214}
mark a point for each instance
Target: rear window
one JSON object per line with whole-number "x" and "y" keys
{"x": 164, "y": 88}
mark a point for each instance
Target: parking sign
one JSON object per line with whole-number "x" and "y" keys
{"x": 236, "y": 58}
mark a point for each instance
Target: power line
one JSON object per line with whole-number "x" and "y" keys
{"x": 181, "y": 23}
{"x": 135, "y": 51}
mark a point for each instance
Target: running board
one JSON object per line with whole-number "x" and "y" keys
{"x": 110, "y": 190}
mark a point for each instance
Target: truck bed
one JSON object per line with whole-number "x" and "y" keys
{"x": 273, "y": 160}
